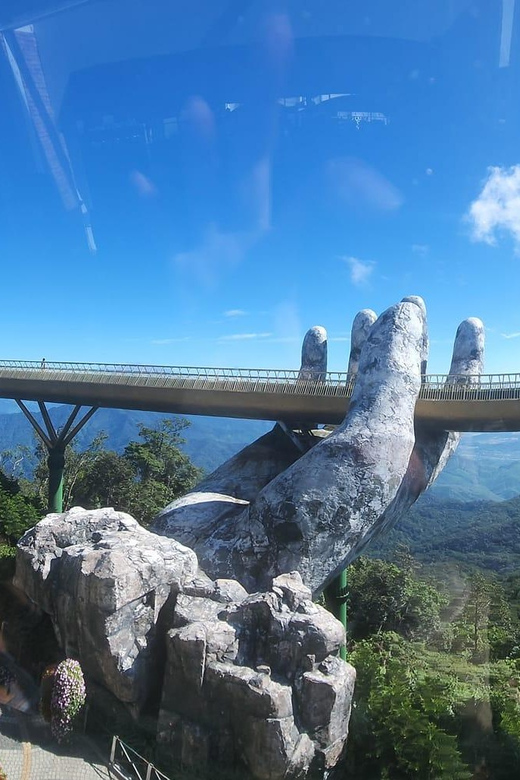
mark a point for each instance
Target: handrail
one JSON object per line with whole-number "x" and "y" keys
{"x": 127, "y": 764}
{"x": 267, "y": 374}
{"x": 435, "y": 387}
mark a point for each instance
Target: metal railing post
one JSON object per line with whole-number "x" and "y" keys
{"x": 113, "y": 749}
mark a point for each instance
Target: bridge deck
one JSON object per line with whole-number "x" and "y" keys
{"x": 488, "y": 403}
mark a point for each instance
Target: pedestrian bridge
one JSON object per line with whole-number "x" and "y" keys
{"x": 487, "y": 403}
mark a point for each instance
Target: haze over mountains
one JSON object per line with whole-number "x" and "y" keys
{"x": 485, "y": 467}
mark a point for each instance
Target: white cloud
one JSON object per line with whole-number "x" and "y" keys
{"x": 235, "y": 313}
{"x": 510, "y": 335}
{"x": 245, "y": 336}
{"x": 420, "y": 249}
{"x": 360, "y": 272}
{"x": 217, "y": 254}
{"x": 497, "y": 208}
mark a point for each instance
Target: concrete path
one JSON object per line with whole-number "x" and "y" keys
{"x": 28, "y": 752}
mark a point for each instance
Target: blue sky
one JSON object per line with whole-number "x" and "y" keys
{"x": 221, "y": 244}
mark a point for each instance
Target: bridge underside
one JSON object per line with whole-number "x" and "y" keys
{"x": 248, "y": 400}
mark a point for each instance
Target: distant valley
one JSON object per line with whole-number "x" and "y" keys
{"x": 486, "y": 467}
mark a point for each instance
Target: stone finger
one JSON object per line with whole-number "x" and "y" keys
{"x": 425, "y": 347}
{"x": 314, "y": 354}
{"x": 433, "y": 448}
{"x": 467, "y": 365}
{"x": 363, "y": 321}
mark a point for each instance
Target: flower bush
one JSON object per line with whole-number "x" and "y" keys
{"x": 3, "y": 775}
{"x": 67, "y": 698}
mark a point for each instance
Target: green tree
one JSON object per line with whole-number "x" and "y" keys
{"x": 486, "y": 625}
{"x": 17, "y": 515}
{"x": 107, "y": 480}
{"x": 384, "y": 597}
{"x": 403, "y": 723}
{"x": 77, "y": 463}
{"x": 147, "y": 476}
{"x": 162, "y": 472}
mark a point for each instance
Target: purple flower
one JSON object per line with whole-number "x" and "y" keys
{"x": 67, "y": 698}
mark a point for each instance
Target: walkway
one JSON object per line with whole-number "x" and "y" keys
{"x": 486, "y": 403}
{"x": 27, "y": 752}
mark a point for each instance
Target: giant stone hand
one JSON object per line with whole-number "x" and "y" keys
{"x": 282, "y": 505}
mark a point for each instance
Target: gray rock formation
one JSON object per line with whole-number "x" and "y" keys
{"x": 251, "y": 681}
{"x": 257, "y": 683}
{"x": 104, "y": 579}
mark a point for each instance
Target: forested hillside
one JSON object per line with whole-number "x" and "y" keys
{"x": 437, "y": 694}
{"x": 485, "y": 467}
{"x": 209, "y": 440}
{"x": 482, "y": 534}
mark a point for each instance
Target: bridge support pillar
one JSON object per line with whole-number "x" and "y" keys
{"x": 56, "y": 442}
{"x": 56, "y": 465}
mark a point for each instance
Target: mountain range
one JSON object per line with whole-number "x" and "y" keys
{"x": 485, "y": 467}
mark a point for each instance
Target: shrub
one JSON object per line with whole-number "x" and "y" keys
{"x": 7, "y": 562}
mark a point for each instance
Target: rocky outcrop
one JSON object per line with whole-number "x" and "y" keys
{"x": 251, "y": 681}
{"x": 104, "y": 579}
{"x": 256, "y": 682}
{"x": 252, "y": 675}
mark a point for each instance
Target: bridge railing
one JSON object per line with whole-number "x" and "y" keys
{"x": 484, "y": 387}
{"x": 435, "y": 387}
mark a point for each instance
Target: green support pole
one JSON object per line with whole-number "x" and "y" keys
{"x": 56, "y": 464}
{"x": 336, "y": 600}
{"x": 56, "y": 442}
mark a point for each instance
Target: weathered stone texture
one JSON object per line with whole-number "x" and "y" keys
{"x": 103, "y": 579}
{"x": 314, "y": 354}
{"x": 233, "y": 688}
{"x": 260, "y": 682}
{"x": 361, "y": 326}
